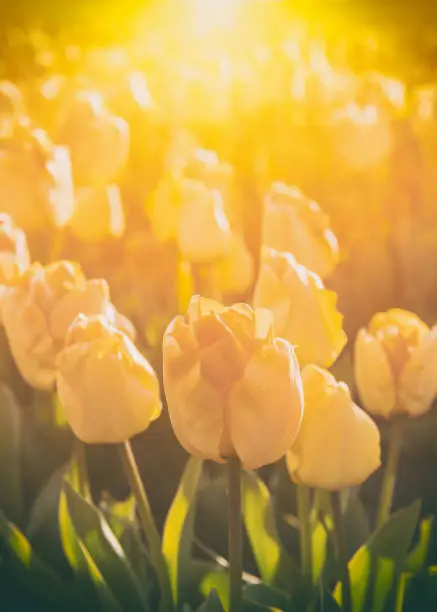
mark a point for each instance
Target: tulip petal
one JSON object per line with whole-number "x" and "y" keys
{"x": 418, "y": 384}
{"x": 338, "y": 445}
{"x": 92, "y": 300}
{"x": 265, "y": 406}
{"x": 195, "y": 408}
{"x": 374, "y": 377}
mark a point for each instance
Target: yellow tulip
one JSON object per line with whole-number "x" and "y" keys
{"x": 236, "y": 271}
{"x": 98, "y": 141}
{"x": 338, "y": 444}
{"x": 395, "y": 364}
{"x": 108, "y": 390}
{"x": 36, "y": 185}
{"x": 192, "y": 214}
{"x": 231, "y": 388}
{"x": 295, "y": 224}
{"x": 12, "y": 107}
{"x": 305, "y": 312}
{"x": 38, "y": 311}
{"x": 14, "y": 253}
{"x": 99, "y": 214}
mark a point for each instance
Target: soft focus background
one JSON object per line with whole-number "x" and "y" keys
{"x": 338, "y": 98}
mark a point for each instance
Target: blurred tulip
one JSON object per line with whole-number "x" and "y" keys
{"x": 98, "y": 141}
{"x": 395, "y": 364}
{"x": 38, "y": 311}
{"x": 297, "y": 225}
{"x": 362, "y": 136}
{"x": 305, "y": 312}
{"x": 108, "y": 390}
{"x": 231, "y": 388}
{"x": 193, "y": 215}
{"x": 36, "y": 186}
{"x": 14, "y": 254}
{"x": 338, "y": 445}
{"x": 236, "y": 271}
{"x": 99, "y": 214}
{"x": 12, "y": 107}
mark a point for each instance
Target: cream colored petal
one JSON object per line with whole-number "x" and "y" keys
{"x": 196, "y": 410}
{"x": 265, "y": 406}
{"x": 418, "y": 384}
{"x": 236, "y": 270}
{"x": 204, "y": 233}
{"x": 106, "y": 398}
{"x": 338, "y": 445}
{"x": 93, "y": 300}
{"x": 98, "y": 214}
{"x": 29, "y": 339}
{"x": 373, "y": 376}
{"x": 272, "y": 293}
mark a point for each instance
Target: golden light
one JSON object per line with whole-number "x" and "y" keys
{"x": 213, "y": 15}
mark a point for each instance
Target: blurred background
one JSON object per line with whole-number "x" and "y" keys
{"x": 337, "y": 98}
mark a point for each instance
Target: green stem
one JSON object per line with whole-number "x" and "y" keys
{"x": 235, "y": 536}
{"x": 389, "y": 478}
{"x": 304, "y": 511}
{"x": 342, "y": 553}
{"x": 79, "y": 454}
{"x": 148, "y": 524}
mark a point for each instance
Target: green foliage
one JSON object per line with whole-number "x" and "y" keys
{"x": 11, "y": 502}
{"x": 179, "y": 529}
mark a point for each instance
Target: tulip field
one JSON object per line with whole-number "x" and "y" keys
{"x": 218, "y": 311}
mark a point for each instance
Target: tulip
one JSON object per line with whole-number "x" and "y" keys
{"x": 338, "y": 444}
{"x": 236, "y": 271}
{"x": 193, "y": 215}
{"x": 395, "y": 364}
{"x": 98, "y": 140}
{"x": 14, "y": 253}
{"x": 108, "y": 390}
{"x": 12, "y": 107}
{"x": 36, "y": 186}
{"x": 305, "y": 312}
{"x": 233, "y": 390}
{"x": 295, "y": 224}
{"x": 99, "y": 214}
{"x": 38, "y": 311}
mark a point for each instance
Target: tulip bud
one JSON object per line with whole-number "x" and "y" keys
{"x": 305, "y": 312}
{"x": 108, "y": 390}
{"x": 338, "y": 444}
{"x": 36, "y": 186}
{"x": 99, "y": 214}
{"x": 395, "y": 364}
{"x": 297, "y": 225}
{"x": 231, "y": 388}
{"x": 14, "y": 254}
{"x": 193, "y": 215}
{"x": 38, "y": 311}
{"x": 98, "y": 141}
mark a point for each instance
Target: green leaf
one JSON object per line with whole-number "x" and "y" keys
{"x": 179, "y": 529}
{"x": 107, "y": 599}
{"x": 10, "y": 460}
{"x": 275, "y": 565}
{"x": 417, "y": 558}
{"x": 217, "y": 580}
{"x": 43, "y": 526}
{"x": 19, "y": 565}
{"x": 375, "y": 565}
{"x": 319, "y": 544}
{"x": 267, "y": 597}
{"x": 121, "y": 517}
{"x": 212, "y": 604}
{"x": 91, "y": 528}
{"x": 325, "y": 602}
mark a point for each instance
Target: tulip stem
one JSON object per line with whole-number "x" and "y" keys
{"x": 235, "y": 536}
{"x": 79, "y": 457}
{"x": 304, "y": 510}
{"x": 389, "y": 477}
{"x": 342, "y": 553}
{"x": 148, "y": 524}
